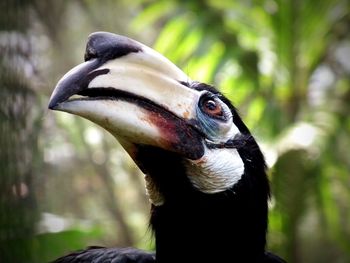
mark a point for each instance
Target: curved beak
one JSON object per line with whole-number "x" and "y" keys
{"x": 133, "y": 92}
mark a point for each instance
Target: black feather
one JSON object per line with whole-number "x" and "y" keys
{"x": 108, "y": 255}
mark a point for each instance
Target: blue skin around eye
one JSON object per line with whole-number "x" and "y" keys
{"x": 208, "y": 125}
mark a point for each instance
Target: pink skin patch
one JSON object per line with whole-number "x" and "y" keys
{"x": 177, "y": 135}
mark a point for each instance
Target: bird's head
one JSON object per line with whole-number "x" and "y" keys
{"x": 155, "y": 110}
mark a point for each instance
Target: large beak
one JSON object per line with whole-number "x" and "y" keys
{"x": 133, "y": 92}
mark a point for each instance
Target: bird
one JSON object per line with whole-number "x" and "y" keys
{"x": 205, "y": 175}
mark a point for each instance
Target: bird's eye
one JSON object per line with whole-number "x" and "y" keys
{"x": 212, "y": 107}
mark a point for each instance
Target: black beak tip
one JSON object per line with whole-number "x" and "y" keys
{"x": 52, "y": 105}
{"x": 60, "y": 94}
{"x": 55, "y": 101}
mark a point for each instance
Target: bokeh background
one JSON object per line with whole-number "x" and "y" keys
{"x": 66, "y": 184}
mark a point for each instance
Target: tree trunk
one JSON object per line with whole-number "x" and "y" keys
{"x": 18, "y": 161}
{"x": 19, "y": 128}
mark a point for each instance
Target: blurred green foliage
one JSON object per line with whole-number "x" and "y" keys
{"x": 283, "y": 63}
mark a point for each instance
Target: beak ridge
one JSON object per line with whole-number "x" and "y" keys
{"x": 107, "y": 46}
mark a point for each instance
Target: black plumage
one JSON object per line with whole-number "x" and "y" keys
{"x": 112, "y": 255}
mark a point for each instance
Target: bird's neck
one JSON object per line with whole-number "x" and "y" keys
{"x": 220, "y": 230}
{"x": 195, "y": 227}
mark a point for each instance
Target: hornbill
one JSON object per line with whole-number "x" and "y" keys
{"x": 205, "y": 174}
